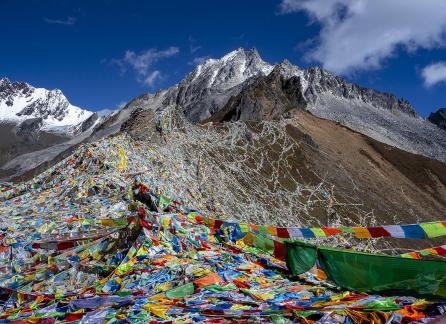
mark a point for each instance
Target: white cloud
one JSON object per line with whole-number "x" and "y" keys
{"x": 193, "y": 47}
{"x": 70, "y": 21}
{"x": 150, "y": 79}
{"x": 198, "y": 60}
{"x": 361, "y": 34}
{"x": 434, "y": 73}
{"x": 143, "y": 62}
{"x": 105, "y": 112}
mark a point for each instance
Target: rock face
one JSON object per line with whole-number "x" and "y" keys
{"x": 321, "y": 82}
{"x": 265, "y": 98}
{"x": 29, "y": 129}
{"x": 88, "y": 123}
{"x": 439, "y": 118}
{"x": 208, "y": 88}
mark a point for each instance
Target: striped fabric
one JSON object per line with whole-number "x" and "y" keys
{"x": 409, "y": 231}
{"x": 439, "y": 250}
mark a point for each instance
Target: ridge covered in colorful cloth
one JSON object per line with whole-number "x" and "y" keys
{"x": 80, "y": 246}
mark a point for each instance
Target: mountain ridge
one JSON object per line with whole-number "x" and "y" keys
{"x": 220, "y": 74}
{"x": 213, "y": 86}
{"x": 206, "y": 90}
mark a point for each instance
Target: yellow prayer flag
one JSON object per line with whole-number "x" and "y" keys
{"x": 122, "y": 160}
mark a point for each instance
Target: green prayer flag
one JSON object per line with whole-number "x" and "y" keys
{"x": 218, "y": 288}
{"x": 434, "y": 229}
{"x": 181, "y": 291}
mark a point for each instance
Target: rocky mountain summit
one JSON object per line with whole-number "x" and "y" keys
{"x": 240, "y": 68}
{"x": 206, "y": 89}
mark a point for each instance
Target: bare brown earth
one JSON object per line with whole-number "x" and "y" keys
{"x": 388, "y": 185}
{"x": 391, "y": 185}
{"x": 390, "y": 182}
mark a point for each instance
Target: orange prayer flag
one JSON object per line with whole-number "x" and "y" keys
{"x": 210, "y": 279}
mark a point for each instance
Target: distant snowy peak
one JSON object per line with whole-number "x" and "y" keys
{"x": 20, "y": 101}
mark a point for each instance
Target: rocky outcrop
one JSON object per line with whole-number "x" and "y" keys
{"x": 9, "y": 90}
{"x": 320, "y": 81}
{"x": 208, "y": 88}
{"x": 265, "y": 98}
{"x": 89, "y": 122}
{"x": 439, "y": 118}
{"x": 29, "y": 129}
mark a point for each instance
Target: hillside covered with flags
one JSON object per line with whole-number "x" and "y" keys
{"x": 105, "y": 236}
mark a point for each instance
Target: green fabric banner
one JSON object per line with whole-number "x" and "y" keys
{"x": 370, "y": 273}
{"x": 300, "y": 258}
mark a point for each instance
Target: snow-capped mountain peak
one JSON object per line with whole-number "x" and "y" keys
{"x": 213, "y": 82}
{"x": 19, "y": 101}
{"x": 231, "y": 70}
{"x": 289, "y": 70}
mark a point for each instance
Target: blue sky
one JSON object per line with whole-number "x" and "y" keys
{"x": 103, "y": 53}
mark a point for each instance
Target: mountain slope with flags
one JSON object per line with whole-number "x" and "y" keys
{"x": 261, "y": 213}
{"x": 105, "y": 236}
